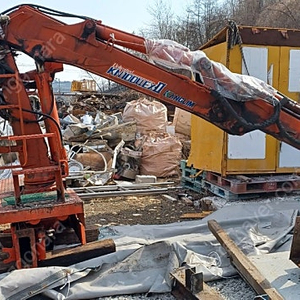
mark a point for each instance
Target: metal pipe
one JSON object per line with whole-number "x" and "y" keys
{"x": 122, "y": 193}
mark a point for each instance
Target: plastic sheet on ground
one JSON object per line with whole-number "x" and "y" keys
{"x": 147, "y": 254}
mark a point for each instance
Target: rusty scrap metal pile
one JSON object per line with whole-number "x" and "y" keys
{"x": 110, "y": 103}
{"x": 112, "y": 138}
{"x": 118, "y": 137}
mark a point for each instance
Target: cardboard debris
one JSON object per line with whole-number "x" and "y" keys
{"x": 182, "y": 121}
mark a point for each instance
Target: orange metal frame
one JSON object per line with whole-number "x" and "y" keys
{"x": 37, "y": 219}
{"x": 40, "y": 172}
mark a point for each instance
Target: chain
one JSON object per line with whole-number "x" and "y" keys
{"x": 235, "y": 39}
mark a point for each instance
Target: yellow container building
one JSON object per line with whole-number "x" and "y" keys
{"x": 272, "y": 55}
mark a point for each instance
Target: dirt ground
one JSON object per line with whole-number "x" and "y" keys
{"x": 143, "y": 209}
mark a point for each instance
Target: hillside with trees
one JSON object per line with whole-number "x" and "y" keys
{"x": 200, "y": 20}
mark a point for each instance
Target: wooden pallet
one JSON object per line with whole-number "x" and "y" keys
{"x": 190, "y": 173}
{"x": 255, "y": 184}
{"x": 238, "y": 187}
{"x": 225, "y": 193}
{"x": 192, "y": 185}
{"x": 190, "y": 178}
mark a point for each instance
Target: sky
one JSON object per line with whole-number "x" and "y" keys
{"x": 127, "y": 15}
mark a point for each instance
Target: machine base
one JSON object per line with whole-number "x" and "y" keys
{"x": 33, "y": 226}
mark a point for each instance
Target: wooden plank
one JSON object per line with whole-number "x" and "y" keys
{"x": 67, "y": 257}
{"x": 199, "y": 215}
{"x": 67, "y": 237}
{"x": 168, "y": 197}
{"x": 209, "y": 293}
{"x": 244, "y": 266}
{"x": 295, "y": 248}
{"x": 91, "y": 233}
{"x": 182, "y": 121}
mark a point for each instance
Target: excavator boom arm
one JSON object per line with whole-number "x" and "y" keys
{"x": 232, "y": 105}
{"x": 94, "y": 47}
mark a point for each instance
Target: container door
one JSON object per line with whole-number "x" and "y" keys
{"x": 252, "y": 152}
{"x": 289, "y": 157}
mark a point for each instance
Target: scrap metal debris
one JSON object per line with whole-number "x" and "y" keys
{"x": 125, "y": 142}
{"x": 110, "y": 103}
{"x": 115, "y": 137}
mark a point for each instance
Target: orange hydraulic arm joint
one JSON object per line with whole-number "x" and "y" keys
{"x": 119, "y": 37}
{"x": 94, "y": 47}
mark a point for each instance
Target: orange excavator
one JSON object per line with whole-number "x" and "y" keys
{"x": 35, "y": 203}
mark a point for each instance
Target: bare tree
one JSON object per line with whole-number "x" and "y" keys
{"x": 187, "y": 32}
{"x": 206, "y": 18}
{"x": 163, "y": 23}
{"x": 268, "y": 13}
{"x": 201, "y": 21}
{"x": 282, "y": 14}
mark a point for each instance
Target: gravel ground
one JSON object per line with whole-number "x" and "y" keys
{"x": 157, "y": 209}
{"x": 233, "y": 288}
{"x": 144, "y": 210}
{"x": 230, "y": 289}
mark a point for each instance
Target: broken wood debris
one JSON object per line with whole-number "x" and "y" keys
{"x": 111, "y": 103}
{"x": 199, "y": 215}
{"x": 170, "y": 198}
{"x": 245, "y": 267}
